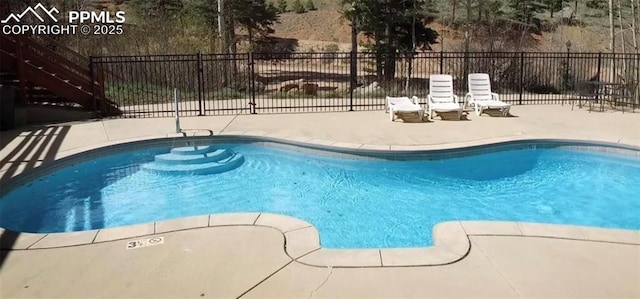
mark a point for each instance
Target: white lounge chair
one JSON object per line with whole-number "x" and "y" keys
{"x": 441, "y": 97}
{"x": 481, "y": 97}
{"x": 403, "y": 105}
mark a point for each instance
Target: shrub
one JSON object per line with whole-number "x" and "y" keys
{"x": 567, "y": 79}
{"x": 309, "y": 5}
{"x": 331, "y": 48}
{"x": 272, "y": 7}
{"x": 297, "y": 7}
{"x": 282, "y": 6}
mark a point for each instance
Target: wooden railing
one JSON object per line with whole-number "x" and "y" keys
{"x": 52, "y": 63}
{"x": 63, "y": 50}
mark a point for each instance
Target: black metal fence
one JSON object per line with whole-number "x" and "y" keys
{"x": 213, "y": 84}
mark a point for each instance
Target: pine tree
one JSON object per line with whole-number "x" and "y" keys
{"x": 597, "y": 4}
{"x": 431, "y": 11}
{"x": 524, "y": 11}
{"x": 153, "y": 8}
{"x": 553, "y": 6}
{"x": 390, "y": 24}
{"x": 255, "y": 16}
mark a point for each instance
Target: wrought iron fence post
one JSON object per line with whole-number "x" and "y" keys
{"x": 353, "y": 76}
{"x": 252, "y": 90}
{"x": 200, "y": 85}
{"x": 441, "y": 61}
{"x": 93, "y": 86}
{"x": 353, "y": 62}
{"x": 521, "y": 77}
{"x": 599, "y": 66}
{"x": 567, "y": 79}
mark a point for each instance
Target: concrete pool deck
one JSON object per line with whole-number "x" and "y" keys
{"x": 233, "y": 258}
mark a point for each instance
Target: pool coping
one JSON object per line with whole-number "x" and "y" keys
{"x": 451, "y": 239}
{"x": 302, "y": 242}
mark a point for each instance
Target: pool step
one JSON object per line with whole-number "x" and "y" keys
{"x": 192, "y": 150}
{"x": 204, "y": 168}
{"x": 182, "y": 158}
{"x": 195, "y": 160}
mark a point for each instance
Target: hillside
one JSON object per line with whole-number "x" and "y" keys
{"x": 315, "y": 30}
{"x": 324, "y": 29}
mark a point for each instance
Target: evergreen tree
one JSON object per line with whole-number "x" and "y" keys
{"x": 431, "y": 11}
{"x": 524, "y": 11}
{"x": 255, "y": 16}
{"x": 390, "y": 24}
{"x": 157, "y": 8}
{"x": 553, "y": 6}
{"x": 597, "y": 4}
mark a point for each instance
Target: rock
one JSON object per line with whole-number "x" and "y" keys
{"x": 371, "y": 88}
{"x": 567, "y": 13}
{"x": 310, "y": 88}
{"x": 293, "y": 84}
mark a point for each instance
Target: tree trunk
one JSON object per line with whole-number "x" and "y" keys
{"x": 413, "y": 50}
{"x": 468, "y": 27}
{"x": 231, "y": 31}
{"x": 467, "y": 44}
{"x": 453, "y": 10}
{"x": 612, "y": 41}
{"x": 222, "y": 35}
{"x": 634, "y": 35}
{"x": 389, "y": 59}
{"x": 250, "y": 31}
{"x": 624, "y": 50}
{"x": 379, "y": 55}
{"x": 634, "y": 29}
{"x": 222, "y": 32}
{"x": 409, "y": 72}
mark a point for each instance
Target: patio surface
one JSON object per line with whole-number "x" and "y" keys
{"x": 252, "y": 261}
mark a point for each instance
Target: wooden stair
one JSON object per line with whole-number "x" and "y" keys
{"x": 43, "y": 75}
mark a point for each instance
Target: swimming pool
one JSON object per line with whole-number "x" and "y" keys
{"x": 354, "y": 203}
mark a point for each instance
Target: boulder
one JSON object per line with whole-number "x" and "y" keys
{"x": 292, "y": 84}
{"x": 371, "y": 88}
{"x": 310, "y": 88}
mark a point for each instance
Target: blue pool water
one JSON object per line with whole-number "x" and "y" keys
{"x": 353, "y": 203}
